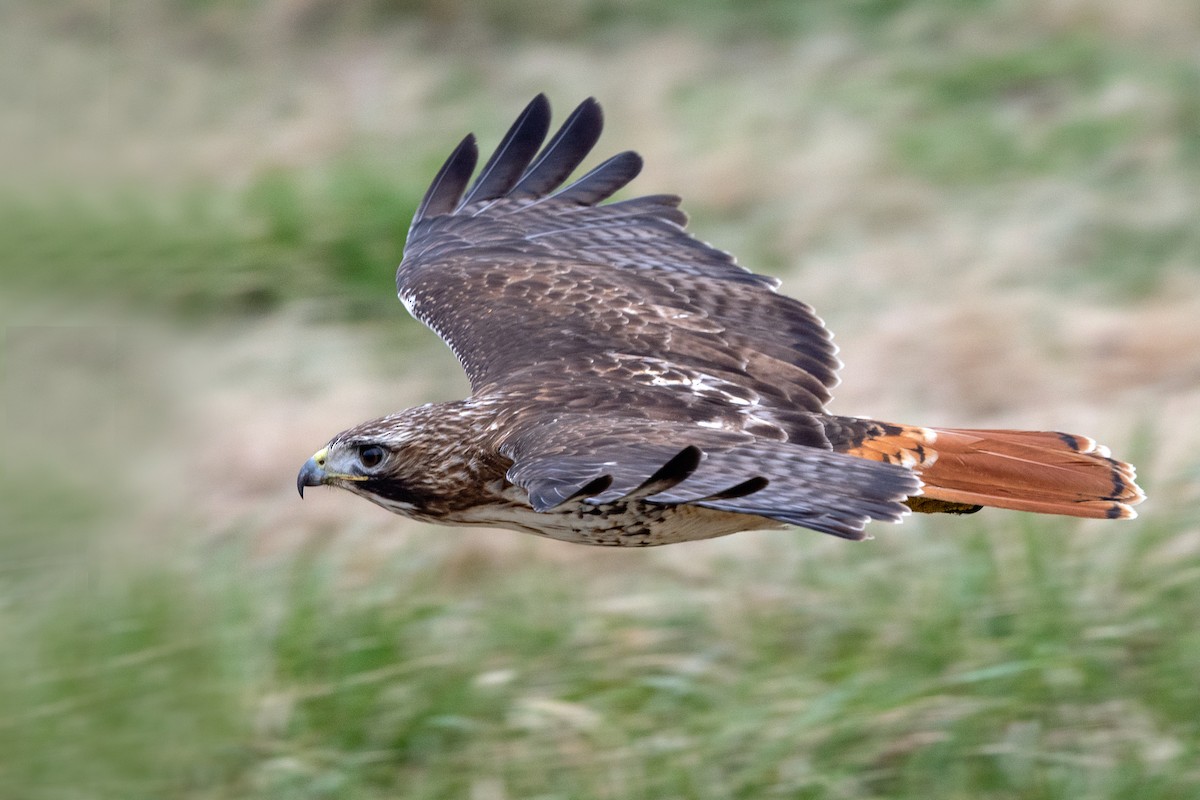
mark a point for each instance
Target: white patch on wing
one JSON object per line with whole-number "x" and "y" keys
{"x": 657, "y": 372}
{"x": 409, "y": 304}
{"x": 659, "y": 380}
{"x": 686, "y": 319}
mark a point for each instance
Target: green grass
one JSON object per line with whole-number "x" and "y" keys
{"x": 1134, "y": 260}
{"x": 991, "y": 657}
{"x": 994, "y": 656}
{"x": 589, "y": 20}
{"x": 1110, "y": 116}
{"x": 1021, "y": 112}
{"x": 210, "y": 251}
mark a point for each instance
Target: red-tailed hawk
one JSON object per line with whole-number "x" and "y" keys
{"x": 632, "y": 385}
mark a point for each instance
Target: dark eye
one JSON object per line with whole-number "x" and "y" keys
{"x": 371, "y": 456}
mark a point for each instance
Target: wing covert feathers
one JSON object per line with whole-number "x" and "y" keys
{"x": 1045, "y": 472}
{"x": 612, "y": 461}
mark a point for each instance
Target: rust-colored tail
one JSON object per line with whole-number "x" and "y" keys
{"x": 1040, "y": 471}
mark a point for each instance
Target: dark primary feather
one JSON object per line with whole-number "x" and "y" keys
{"x": 516, "y": 150}
{"x": 565, "y": 152}
{"x": 600, "y": 184}
{"x": 450, "y": 182}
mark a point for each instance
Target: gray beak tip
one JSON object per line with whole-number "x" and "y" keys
{"x": 311, "y": 474}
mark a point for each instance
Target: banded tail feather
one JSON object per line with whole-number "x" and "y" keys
{"x": 963, "y": 469}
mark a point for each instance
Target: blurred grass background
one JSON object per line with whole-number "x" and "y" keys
{"x": 202, "y": 202}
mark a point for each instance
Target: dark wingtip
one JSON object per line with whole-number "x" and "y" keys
{"x": 514, "y": 153}
{"x": 592, "y": 488}
{"x": 603, "y": 181}
{"x": 451, "y": 180}
{"x": 549, "y": 495}
{"x": 743, "y": 489}
{"x": 564, "y": 153}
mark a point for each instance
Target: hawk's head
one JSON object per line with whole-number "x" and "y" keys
{"x": 381, "y": 460}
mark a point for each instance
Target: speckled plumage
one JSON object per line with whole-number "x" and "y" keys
{"x": 632, "y": 385}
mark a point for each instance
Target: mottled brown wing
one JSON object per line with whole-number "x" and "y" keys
{"x": 601, "y": 460}
{"x": 526, "y": 280}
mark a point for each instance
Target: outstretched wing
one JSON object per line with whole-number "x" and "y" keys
{"x": 527, "y": 281}
{"x": 601, "y": 460}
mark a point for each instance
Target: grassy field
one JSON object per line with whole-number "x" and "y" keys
{"x": 992, "y": 204}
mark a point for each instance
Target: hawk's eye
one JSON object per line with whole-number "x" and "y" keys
{"x": 371, "y": 456}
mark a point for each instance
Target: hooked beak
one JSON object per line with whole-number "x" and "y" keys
{"x": 313, "y": 472}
